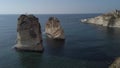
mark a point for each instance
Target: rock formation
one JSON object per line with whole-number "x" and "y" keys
{"x": 53, "y": 29}
{"x": 115, "y": 64}
{"x": 111, "y": 19}
{"x": 29, "y": 34}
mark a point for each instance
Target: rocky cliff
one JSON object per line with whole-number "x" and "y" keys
{"x": 53, "y": 29}
{"x": 111, "y": 19}
{"x": 29, "y": 34}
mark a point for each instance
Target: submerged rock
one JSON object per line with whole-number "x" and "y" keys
{"x": 29, "y": 34}
{"x": 111, "y": 19}
{"x": 53, "y": 29}
{"x": 115, "y": 64}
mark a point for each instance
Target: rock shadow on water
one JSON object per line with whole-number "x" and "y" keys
{"x": 110, "y": 30}
{"x": 30, "y": 60}
{"x": 112, "y": 33}
{"x": 112, "y": 48}
{"x": 54, "y": 47}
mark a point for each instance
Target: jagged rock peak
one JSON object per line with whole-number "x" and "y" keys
{"x": 54, "y": 19}
{"x": 115, "y": 13}
{"x": 30, "y": 17}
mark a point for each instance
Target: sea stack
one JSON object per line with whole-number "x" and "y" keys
{"x": 111, "y": 19}
{"x": 29, "y": 36}
{"x": 53, "y": 29}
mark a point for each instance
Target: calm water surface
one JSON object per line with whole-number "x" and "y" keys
{"x": 86, "y": 45}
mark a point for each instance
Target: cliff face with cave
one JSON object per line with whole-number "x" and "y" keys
{"x": 111, "y": 19}
{"x": 29, "y": 36}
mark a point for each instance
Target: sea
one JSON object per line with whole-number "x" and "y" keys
{"x": 85, "y": 45}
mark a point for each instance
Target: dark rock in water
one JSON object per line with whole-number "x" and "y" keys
{"x": 111, "y": 19}
{"x": 115, "y": 64}
{"x": 29, "y": 36}
{"x": 54, "y": 30}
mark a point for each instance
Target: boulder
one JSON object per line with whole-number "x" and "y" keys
{"x": 29, "y": 36}
{"x": 116, "y": 63}
{"x": 111, "y": 19}
{"x": 53, "y": 29}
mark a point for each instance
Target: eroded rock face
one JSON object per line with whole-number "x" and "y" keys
{"x": 29, "y": 34}
{"x": 53, "y": 29}
{"x": 111, "y": 19}
{"x": 115, "y": 64}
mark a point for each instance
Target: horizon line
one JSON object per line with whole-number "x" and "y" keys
{"x": 48, "y": 13}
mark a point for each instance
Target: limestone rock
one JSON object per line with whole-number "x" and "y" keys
{"x": 115, "y": 64}
{"x": 29, "y": 36}
{"x": 111, "y": 19}
{"x": 53, "y": 29}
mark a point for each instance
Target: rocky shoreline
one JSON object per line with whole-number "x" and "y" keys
{"x": 111, "y": 19}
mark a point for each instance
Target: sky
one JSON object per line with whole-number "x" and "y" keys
{"x": 57, "y": 6}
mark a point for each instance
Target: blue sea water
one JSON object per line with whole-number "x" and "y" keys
{"x": 86, "y": 45}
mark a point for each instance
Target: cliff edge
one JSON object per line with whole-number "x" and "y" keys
{"x": 111, "y": 19}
